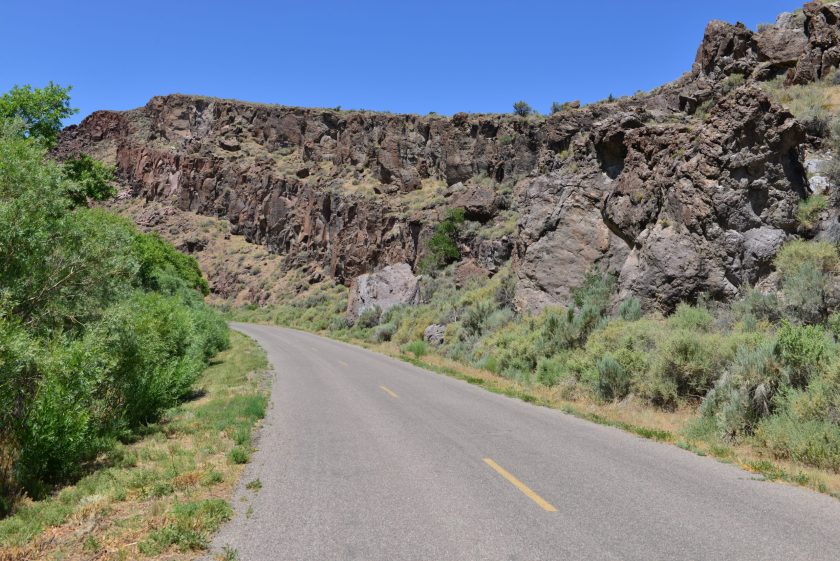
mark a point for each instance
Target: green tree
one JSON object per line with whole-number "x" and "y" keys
{"x": 88, "y": 179}
{"x": 101, "y": 327}
{"x": 522, "y": 109}
{"x": 41, "y": 110}
{"x": 443, "y": 245}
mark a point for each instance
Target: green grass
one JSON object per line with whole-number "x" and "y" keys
{"x": 809, "y": 210}
{"x": 228, "y": 554}
{"x": 239, "y": 455}
{"x": 417, "y": 348}
{"x": 188, "y": 527}
{"x": 165, "y": 491}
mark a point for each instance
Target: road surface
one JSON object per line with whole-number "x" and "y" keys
{"x": 364, "y": 457}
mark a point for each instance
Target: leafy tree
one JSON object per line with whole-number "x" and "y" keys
{"x": 88, "y": 179}
{"x": 165, "y": 269}
{"x": 443, "y": 245}
{"x": 101, "y": 327}
{"x": 40, "y": 109}
{"x": 556, "y": 107}
{"x": 59, "y": 265}
{"x": 522, "y": 109}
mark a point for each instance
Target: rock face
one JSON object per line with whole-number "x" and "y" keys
{"x": 392, "y": 286}
{"x": 688, "y": 189}
{"x": 804, "y": 46}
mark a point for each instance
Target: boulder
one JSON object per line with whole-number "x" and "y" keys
{"x": 392, "y": 286}
{"x": 434, "y": 334}
{"x": 479, "y": 203}
{"x": 231, "y": 144}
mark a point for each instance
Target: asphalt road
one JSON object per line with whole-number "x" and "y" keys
{"x": 365, "y": 457}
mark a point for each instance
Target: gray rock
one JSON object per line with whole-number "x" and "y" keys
{"x": 492, "y": 254}
{"x": 434, "y": 334}
{"x": 760, "y": 247}
{"x": 392, "y": 286}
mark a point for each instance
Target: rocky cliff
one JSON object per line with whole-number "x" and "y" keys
{"x": 688, "y": 189}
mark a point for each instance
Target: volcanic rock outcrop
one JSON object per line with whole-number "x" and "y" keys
{"x": 686, "y": 190}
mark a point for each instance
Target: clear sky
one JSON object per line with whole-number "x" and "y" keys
{"x": 392, "y": 55}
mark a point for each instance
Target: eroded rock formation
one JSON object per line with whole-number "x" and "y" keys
{"x": 688, "y": 189}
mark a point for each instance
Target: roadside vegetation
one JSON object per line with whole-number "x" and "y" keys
{"x": 756, "y": 382}
{"x": 163, "y": 493}
{"x": 103, "y": 330}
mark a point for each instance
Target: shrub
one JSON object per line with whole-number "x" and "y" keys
{"x": 512, "y": 349}
{"x": 369, "y": 317}
{"x": 442, "y": 247}
{"x": 811, "y": 442}
{"x": 506, "y": 290}
{"x": 595, "y": 291}
{"x": 559, "y": 331}
{"x": 613, "y": 379}
{"x": 692, "y": 318}
{"x": 756, "y": 305}
{"x": 562, "y": 330}
{"x": 808, "y": 210}
{"x": 498, "y": 319}
{"x": 833, "y": 324}
{"x": 686, "y": 366}
{"x": 475, "y": 316}
{"x": 795, "y": 254}
{"x": 745, "y": 393}
{"x": 732, "y": 82}
{"x": 383, "y": 332}
{"x": 630, "y": 309}
{"x": 522, "y": 109}
{"x": 418, "y": 348}
{"x": 804, "y": 351}
{"x": 805, "y": 294}
{"x": 551, "y": 370}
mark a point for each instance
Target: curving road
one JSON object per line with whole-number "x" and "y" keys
{"x": 364, "y": 457}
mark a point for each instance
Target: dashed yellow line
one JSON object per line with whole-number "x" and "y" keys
{"x": 389, "y": 392}
{"x": 519, "y": 485}
{"x": 342, "y": 363}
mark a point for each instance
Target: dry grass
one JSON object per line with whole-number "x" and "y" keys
{"x": 162, "y": 496}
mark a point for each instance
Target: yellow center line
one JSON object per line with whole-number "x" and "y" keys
{"x": 342, "y": 363}
{"x": 519, "y": 485}
{"x": 389, "y": 392}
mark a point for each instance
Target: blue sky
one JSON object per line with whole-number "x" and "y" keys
{"x": 398, "y": 55}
